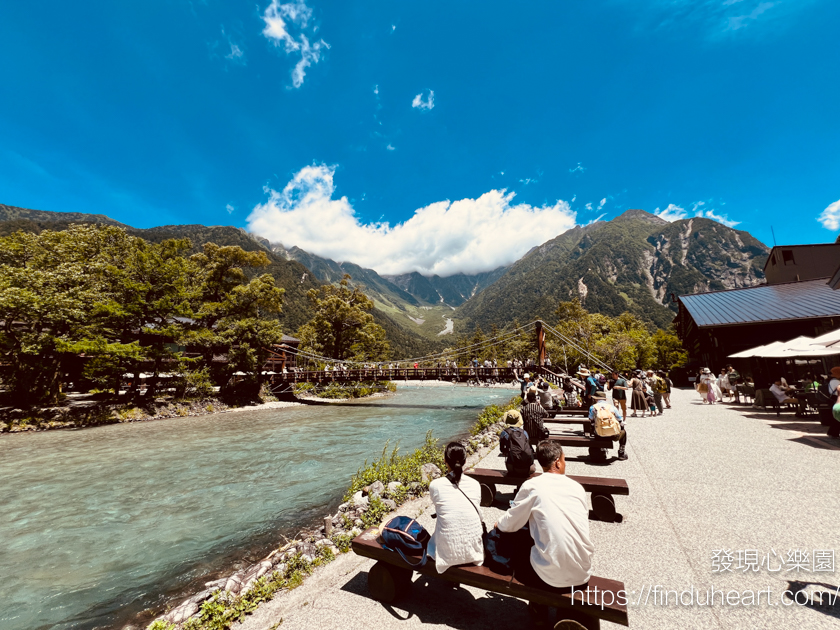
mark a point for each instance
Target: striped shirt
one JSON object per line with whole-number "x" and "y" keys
{"x": 532, "y": 415}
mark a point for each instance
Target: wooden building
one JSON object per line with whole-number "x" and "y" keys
{"x": 796, "y": 301}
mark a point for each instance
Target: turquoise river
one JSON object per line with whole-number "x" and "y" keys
{"x": 100, "y": 524}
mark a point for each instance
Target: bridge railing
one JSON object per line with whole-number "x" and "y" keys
{"x": 502, "y": 374}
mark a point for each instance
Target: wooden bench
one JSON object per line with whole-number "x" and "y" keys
{"x": 391, "y": 577}
{"x": 602, "y": 489}
{"x": 593, "y": 443}
{"x": 572, "y": 421}
{"x": 563, "y": 411}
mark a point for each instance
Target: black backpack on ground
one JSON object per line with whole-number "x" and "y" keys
{"x": 520, "y": 455}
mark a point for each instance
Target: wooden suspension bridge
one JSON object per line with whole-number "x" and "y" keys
{"x": 284, "y": 381}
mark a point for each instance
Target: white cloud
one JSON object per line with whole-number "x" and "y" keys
{"x": 830, "y": 217}
{"x": 578, "y": 169}
{"x": 391, "y": 147}
{"x": 721, "y": 17}
{"x": 425, "y": 103}
{"x": 280, "y": 20}
{"x": 671, "y": 213}
{"x": 603, "y": 203}
{"x": 720, "y": 218}
{"x": 589, "y": 206}
{"x": 676, "y": 213}
{"x": 376, "y": 89}
{"x": 229, "y": 209}
{"x": 468, "y": 235}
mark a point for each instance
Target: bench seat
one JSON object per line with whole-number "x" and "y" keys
{"x": 391, "y": 576}
{"x": 602, "y": 488}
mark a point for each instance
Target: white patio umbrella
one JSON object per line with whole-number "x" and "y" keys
{"x": 758, "y": 351}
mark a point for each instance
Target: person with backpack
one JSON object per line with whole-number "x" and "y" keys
{"x": 457, "y": 538}
{"x": 668, "y": 384}
{"x": 605, "y": 420}
{"x": 658, "y": 387}
{"x": 515, "y": 446}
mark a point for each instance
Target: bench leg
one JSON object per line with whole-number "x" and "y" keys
{"x": 387, "y": 582}
{"x": 488, "y": 494}
{"x": 596, "y": 454}
{"x": 604, "y": 507}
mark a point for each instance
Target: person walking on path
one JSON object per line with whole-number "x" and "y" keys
{"x": 532, "y": 417}
{"x": 619, "y": 387}
{"x": 638, "y": 402}
{"x": 657, "y": 383}
{"x": 666, "y": 395}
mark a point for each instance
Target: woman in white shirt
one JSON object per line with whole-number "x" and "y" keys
{"x": 458, "y": 528}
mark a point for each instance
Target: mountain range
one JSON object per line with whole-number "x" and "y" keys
{"x": 636, "y": 262}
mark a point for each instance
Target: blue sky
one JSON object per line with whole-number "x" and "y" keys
{"x": 473, "y": 130}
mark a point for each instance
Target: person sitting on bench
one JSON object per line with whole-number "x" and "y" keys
{"x": 601, "y": 403}
{"x": 557, "y": 514}
{"x": 458, "y": 528}
{"x": 514, "y": 445}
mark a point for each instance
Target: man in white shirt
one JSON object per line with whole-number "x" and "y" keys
{"x": 781, "y": 393}
{"x": 557, "y": 514}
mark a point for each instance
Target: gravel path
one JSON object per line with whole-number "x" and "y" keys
{"x": 702, "y": 479}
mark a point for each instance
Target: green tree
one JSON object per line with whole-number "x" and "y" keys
{"x": 668, "y": 352}
{"x": 56, "y": 299}
{"x": 235, "y": 316}
{"x": 343, "y": 327}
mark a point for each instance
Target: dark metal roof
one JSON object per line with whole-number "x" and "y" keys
{"x": 766, "y": 303}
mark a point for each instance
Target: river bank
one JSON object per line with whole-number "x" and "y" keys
{"x": 391, "y": 485}
{"x": 134, "y": 515}
{"x": 96, "y": 413}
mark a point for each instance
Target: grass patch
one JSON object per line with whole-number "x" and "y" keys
{"x": 493, "y": 414}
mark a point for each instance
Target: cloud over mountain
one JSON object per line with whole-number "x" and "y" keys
{"x": 444, "y": 238}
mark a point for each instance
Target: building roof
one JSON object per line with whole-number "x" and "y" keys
{"x": 811, "y": 299}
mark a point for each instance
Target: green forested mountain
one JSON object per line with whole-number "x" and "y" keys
{"x": 293, "y": 276}
{"x": 13, "y": 213}
{"x": 632, "y": 263}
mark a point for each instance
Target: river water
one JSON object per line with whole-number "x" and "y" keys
{"x": 100, "y": 524}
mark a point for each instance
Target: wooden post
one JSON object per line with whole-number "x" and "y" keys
{"x": 540, "y": 344}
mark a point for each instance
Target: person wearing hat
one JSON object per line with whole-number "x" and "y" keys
{"x": 638, "y": 402}
{"x": 601, "y": 402}
{"x": 710, "y": 393}
{"x": 532, "y": 415}
{"x": 524, "y": 384}
{"x": 591, "y": 386}
{"x": 515, "y": 445}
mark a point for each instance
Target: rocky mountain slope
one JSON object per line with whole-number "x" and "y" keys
{"x": 451, "y": 291}
{"x": 632, "y": 263}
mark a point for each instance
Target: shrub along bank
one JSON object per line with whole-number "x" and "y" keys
{"x": 376, "y": 489}
{"x": 343, "y": 391}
